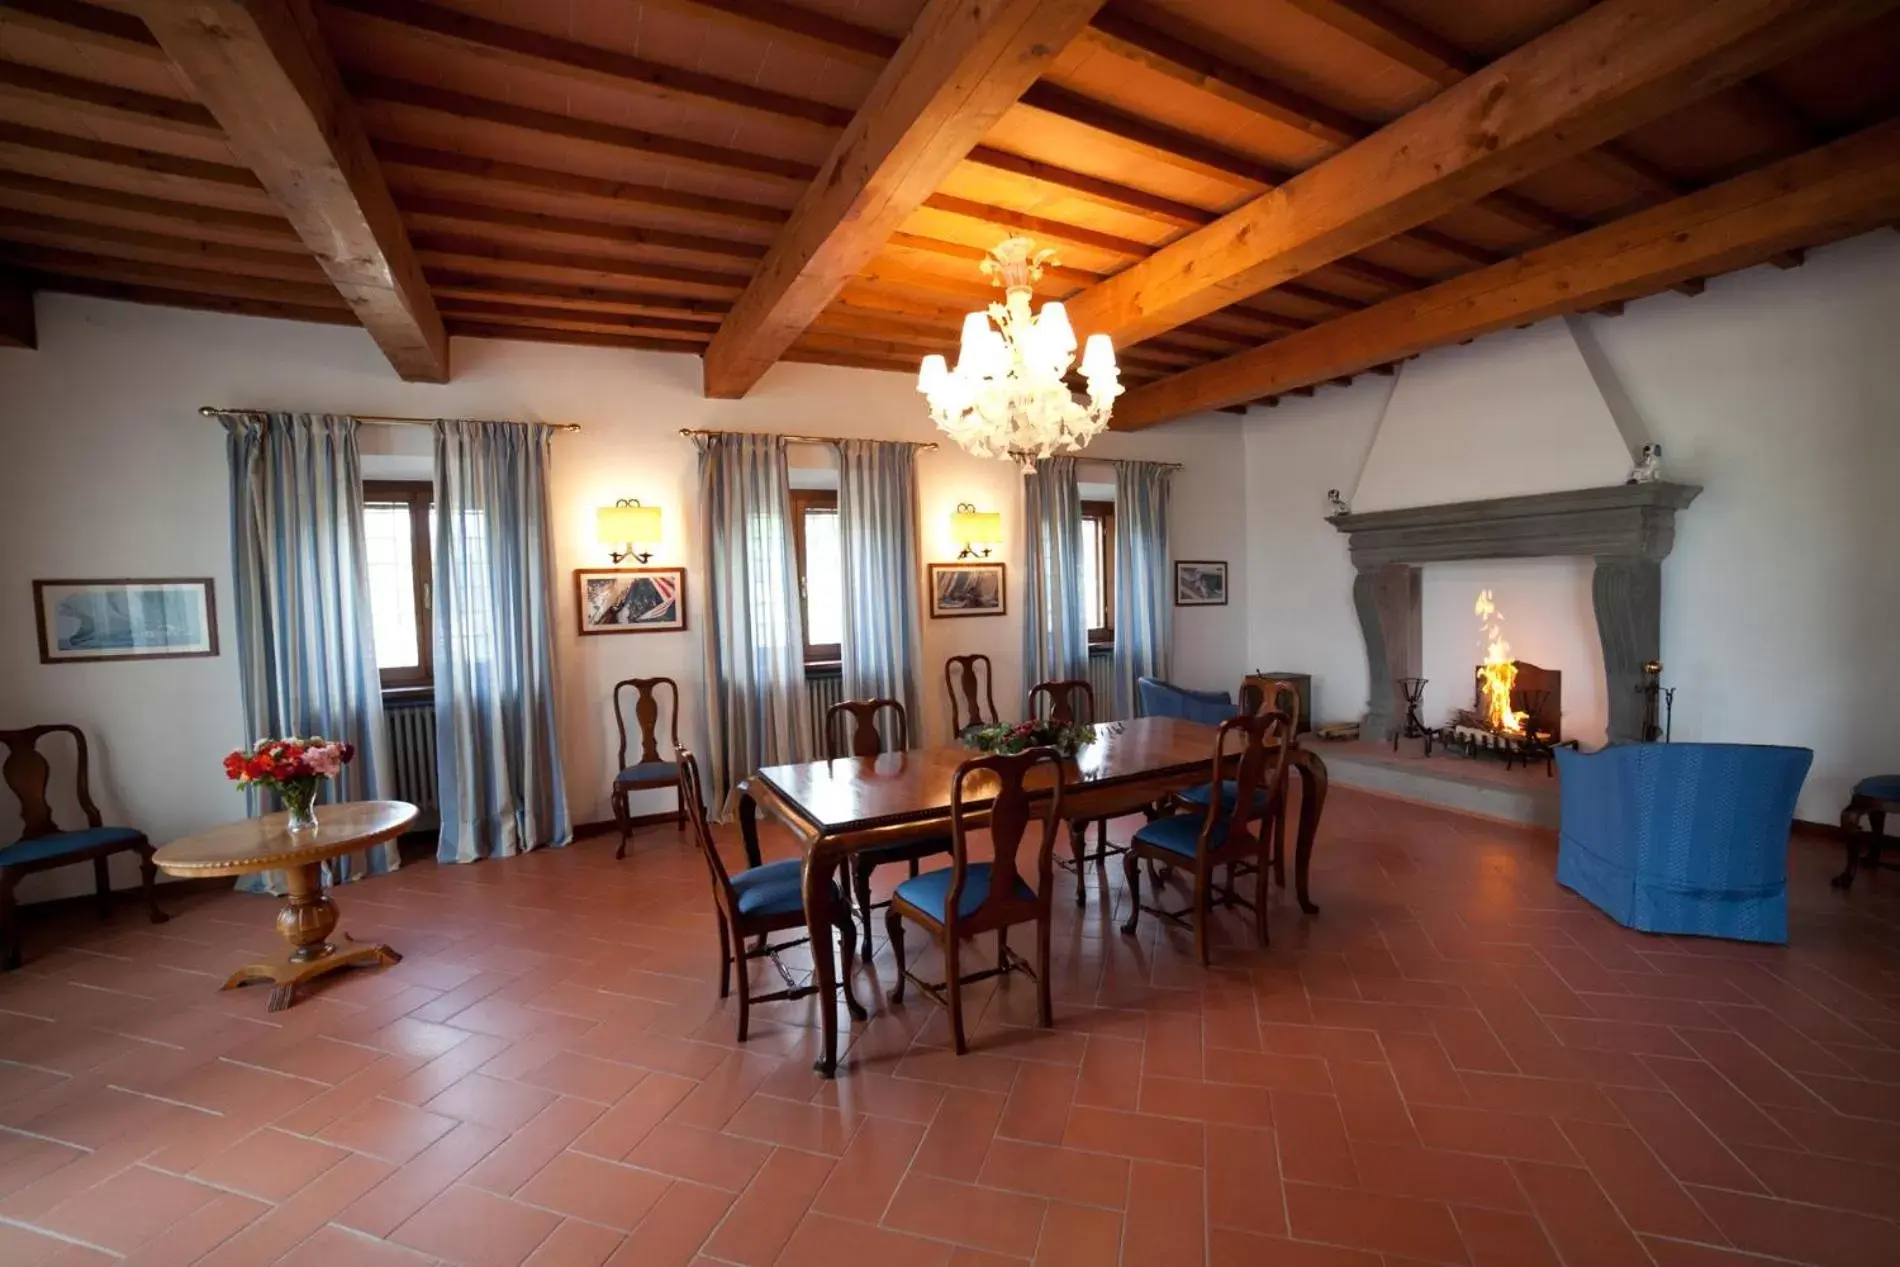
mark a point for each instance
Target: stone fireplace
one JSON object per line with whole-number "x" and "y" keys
{"x": 1626, "y": 529}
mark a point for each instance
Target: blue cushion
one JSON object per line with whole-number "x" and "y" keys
{"x": 1229, "y": 789}
{"x": 1885, "y": 787}
{"x": 777, "y": 888}
{"x": 1179, "y": 833}
{"x": 1164, "y": 699}
{"x": 649, "y": 772}
{"x": 930, "y": 892}
{"x": 65, "y": 842}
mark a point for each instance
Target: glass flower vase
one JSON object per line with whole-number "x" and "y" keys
{"x": 300, "y": 801}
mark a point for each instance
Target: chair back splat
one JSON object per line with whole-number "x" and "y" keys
{"x": 1266, "y": 740}
{"x": 1280, "y": 695}
{"x": 960, "y": 678}
{"x": 28, "y": 774}
{"x": 1005, "y": 780}
{"x": 646, "y": 713}
{"x": 1069, "y": 701}
{"x": 702, "y": 831}
{"x": 862, "y": 716}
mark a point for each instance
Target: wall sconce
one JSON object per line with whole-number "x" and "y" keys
{"x": 975, "y": 528}
{"x": 628, "y": 523}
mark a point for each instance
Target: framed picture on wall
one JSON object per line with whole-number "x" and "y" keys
{"x": 631, "y": 600}
{"x": 1199, "y": 583}
{"x": 967, "y": 589}
{"x": 168, "y": 618}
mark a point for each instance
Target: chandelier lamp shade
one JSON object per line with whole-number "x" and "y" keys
{"x": 976, "y": 528}
{"x": 1007, "y": 395}
{"x": 627, "y": 523}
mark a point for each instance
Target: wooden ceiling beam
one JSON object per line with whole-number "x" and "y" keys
{"x": 573, "y": 319}
{"x": 449, "y": 282}
{"x": 963, "y": 65}
{"x": 1166, "y": 144}
{"x": 89, "y": 26}
{"x": 462, "y": 105}
{"x": 571, "y": 184}
{"x": 1613, "y": 66}
{"x": 26, "y": 192}
{"x": 454, "y": 210}
{"x": 89, "y": 99}
{"x": 1838, "y": 190}
{"x": 294, "y": 265}
{"x": 1106, "y": 193}
{"x": 75, "y": 263}
{"x": 588, "y": 338}
{"x": 18, "y": 328}
{"x": 804, "y": 356}
{"x": 1041, "y": 227}
{"x": 820, "y": 30}
{"x": 147, "y": 161}
{"x": 168, "y": 297}
{"x": 460, "y": 251}
{"x": 262, "y": 69}
{"x": 518, "y": 46}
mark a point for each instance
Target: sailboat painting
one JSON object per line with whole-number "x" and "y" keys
{"x": 125, "y": 620}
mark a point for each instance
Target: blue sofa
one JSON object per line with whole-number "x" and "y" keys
{"x": 1682, "y": 838}
{"x": 1156, "y": 698}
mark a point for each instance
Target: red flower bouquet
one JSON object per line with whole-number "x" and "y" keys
{"x": 292, "y": 768}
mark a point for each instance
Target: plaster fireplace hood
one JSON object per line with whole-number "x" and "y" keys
{"x": 1627, "y": 528}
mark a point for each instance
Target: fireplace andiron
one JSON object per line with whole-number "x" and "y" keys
{"x": 1652, "y": 691}
{"x": 1413, "y": 689}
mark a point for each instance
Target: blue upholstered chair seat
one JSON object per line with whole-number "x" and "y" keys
{"x": 930, "y": 892}
{"x": 1181, "y": 833}
{"x": 777, "y": 888}
{"x": 59, "y": 843}
{"x": 1229, "y": 789}
{"x": 1881, "y": 787}
{"x": 649, "y": 772}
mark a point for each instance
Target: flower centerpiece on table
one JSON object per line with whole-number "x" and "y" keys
{"x": 1009, "y": 738}
{"x": 292, "y": 768}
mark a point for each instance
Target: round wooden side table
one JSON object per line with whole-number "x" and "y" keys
{"x": 308, "y": 916}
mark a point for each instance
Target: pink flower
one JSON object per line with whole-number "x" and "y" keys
{"x": 325, "y": 761}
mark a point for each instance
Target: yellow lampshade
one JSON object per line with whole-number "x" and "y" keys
{"x": 977, "y": 527}
{"x": 616, "y": 525}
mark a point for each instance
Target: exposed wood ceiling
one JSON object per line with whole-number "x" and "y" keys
{"x": 1263, "y": 197}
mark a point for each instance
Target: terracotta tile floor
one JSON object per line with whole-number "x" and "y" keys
{"x": 1457, "y": 1062}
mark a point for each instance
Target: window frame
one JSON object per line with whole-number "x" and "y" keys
{"x": 828, "y": 654}
{"x": 419, "y": 496}
{"x": 1103, "y": 513}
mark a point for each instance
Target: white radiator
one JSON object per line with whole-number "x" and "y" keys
{"x": 411, "y": 725}
{"x": 1102, "y": 682}
{"x": 823, "y": 688}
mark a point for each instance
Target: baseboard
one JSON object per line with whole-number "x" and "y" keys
{"x": 611, "y": 828}
{"x": 52, "y": 907}
{"x": 1830, "y": 832}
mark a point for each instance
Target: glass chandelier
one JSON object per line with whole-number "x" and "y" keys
{"x": 1006, "y": 397}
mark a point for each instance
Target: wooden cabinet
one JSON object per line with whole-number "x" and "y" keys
{"x": 1302, "y": 682}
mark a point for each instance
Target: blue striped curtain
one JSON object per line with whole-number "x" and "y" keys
{"x": 1055, "y": 637}
{"x": 306, "y": 650}
{"x": 877, "y": 524}
{"x": 756, "y": 711}
{"x": 1144, "y": 611}
{"x": 498, "y": 760}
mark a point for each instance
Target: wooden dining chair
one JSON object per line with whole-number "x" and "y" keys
{"x": 1281, "y": 696}
{"x": 960, "y": 678}
{"x": 968, "y": 898}
{"x": 43, "y": 845}
{"x": 1073, "y": 701}
{"x": 650, "y": 771}
{"x": 861, "y": 718}
{"x": 1236, "y": 825}
{"x": 754, "y": 904}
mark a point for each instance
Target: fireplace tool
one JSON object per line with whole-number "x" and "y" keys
{"x": 1413, "y": 689}
{"x": 1652, "y": 692}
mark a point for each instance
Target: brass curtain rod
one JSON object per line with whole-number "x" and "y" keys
{"x": 389, "y": 420}
{"x": 925, "y": 445}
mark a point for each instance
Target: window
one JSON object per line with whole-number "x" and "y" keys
{"x": 1098, "y": 570}
{"x": 398, "y": 518}
{"x": 820, "y": 573}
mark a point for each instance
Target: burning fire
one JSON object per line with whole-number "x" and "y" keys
{"x": 1498, "y": 673}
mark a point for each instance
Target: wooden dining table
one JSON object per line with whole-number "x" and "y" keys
{"x": 836, "y": 808}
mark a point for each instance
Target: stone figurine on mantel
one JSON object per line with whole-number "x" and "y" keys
{"x": 1648, "y": 468}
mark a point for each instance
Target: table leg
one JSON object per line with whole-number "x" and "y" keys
{"x": 1313, "y": 783}
{"x": 820, "y": 921}
{"x": 306, "y": 920}
{"x": 749, "y": 829}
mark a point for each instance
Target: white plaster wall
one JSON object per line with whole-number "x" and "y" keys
{"x": 1779, "y": 392}
{"x": 111, "y": 472}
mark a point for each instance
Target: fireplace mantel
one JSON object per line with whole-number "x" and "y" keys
{"x": 1628, "y": 529}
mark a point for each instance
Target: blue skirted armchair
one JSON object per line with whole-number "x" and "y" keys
{"x": 1682, "y": 838}
{"x": 1165, "y": 699}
